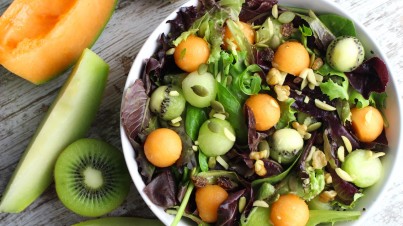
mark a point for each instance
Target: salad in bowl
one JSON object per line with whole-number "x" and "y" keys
{"x": 258, "y": 112}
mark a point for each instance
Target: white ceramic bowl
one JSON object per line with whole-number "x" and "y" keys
{"x": 372, "y": 199}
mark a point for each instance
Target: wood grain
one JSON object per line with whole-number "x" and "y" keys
{"x": 22, "y": 105}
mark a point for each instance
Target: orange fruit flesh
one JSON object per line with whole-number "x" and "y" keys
{"x": 367, "y": 123}
{"x": 163, "y": 147}
{"x": 246, "y": 30}
{"x": 266, "y": 111}
{"x": 291, "y": 57}
{"x": 39, "y": 39}
{"x": 191, "y": 53}
{"x": 208, "y": 199}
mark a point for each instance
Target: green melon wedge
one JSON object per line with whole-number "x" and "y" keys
{"x": 67, "y": 120}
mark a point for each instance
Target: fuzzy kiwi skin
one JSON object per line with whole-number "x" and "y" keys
{"x": 71, "y": 187}
{"x": 166, "y": 105}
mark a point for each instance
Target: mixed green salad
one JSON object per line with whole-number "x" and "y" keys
{"x": 255, "y": 113}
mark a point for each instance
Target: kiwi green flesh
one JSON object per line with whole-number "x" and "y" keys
{"x": 91, "y": 177}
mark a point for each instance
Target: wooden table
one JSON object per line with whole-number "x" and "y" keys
{"x": 22, "y": 105}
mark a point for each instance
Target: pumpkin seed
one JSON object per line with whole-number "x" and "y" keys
{"x": 217, "y": 106}
{"x": 200, "y": 90}
{"x": 212, "y": 162}
{"x": 219, "y": 116}
{"x": 286, "y": 17}
{"x": 202, "y": 69}
{"x": 170, "y": 51}
{"x": 241, "y": 204}
{"x": 314, "y": 126}
{"x": 263, "y": 146}
{"x": 214, "y": 127}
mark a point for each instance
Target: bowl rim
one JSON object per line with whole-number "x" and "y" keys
{"x": 163, "y": 27}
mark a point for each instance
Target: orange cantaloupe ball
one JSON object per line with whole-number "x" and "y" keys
{"x": 163, "y": 147}
{"x": 246, "y": 29}
{"x": 367, "y": 123}
{"x": 191, "y": 53}
{"x": 266, "y": 110}
{"x": 208, "y": 199}
{"x": 291, "y": 57}
{"x": 289, "y": 210}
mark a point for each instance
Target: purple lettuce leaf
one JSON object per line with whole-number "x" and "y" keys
{"x": 162, "y": 190}
{"x": 183, "y": 20}
{"x": 135, "y": 112}
{"x": 159, "y": 64}
{"x": 370, "y": 76}
{"x": 240, "y": 163}
{"x": 135, "y": 116}
{"x": 228, "y": 214}
{"x": 256, "y": 11}
{"x": 273, "y": 168}
{"x": 302, "y": 164}
{"x": 263, "y": 58}
{"x": 345, "y": 190}
{"x": 254, "y": 137}
{"x": 379, "y": 144}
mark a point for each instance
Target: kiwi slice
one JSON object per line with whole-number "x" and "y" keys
{"x": 91, "y": 177}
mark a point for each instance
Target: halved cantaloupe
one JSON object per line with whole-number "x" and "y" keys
{"x": 39, "y": 39}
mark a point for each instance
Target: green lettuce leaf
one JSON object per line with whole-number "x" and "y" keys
{"x": 287, "y": 113}
{"x": 331, "y": 216}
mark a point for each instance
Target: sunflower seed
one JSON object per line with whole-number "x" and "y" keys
{"x": 340, "y": 153}
{"x": 378, "y": 154}
{"x": 174, "y": 93}
{"x": 222, "y": 162}
{"x": 229, "y": 135}
{"x": 343, "y": 175}
{"x": 260, "y": 203}
{"x": 347, "y": 144}
{"x": 274, "y": 11}
{"x": 324, "y": 106}
{"x": 176, "y": 120}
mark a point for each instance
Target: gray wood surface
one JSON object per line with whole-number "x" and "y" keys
{"x": 22, "y": 105}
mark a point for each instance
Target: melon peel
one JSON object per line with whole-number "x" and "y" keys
{"x": 40, "y": 39}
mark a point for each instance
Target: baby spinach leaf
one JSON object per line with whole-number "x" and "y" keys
{"x": 203, "y": 162}
{"x": 338, "y": 25}
{"x": 235, "y": 111}
{"x": 194, "y": 119}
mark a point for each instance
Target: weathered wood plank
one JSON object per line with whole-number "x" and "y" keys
{"x": 22, "y": 105}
